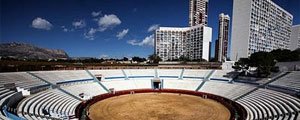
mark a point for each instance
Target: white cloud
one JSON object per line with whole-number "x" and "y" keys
{"x": 122, "y": 34}
{"x": 79, "y": 24}
{"x": 90, "y": 34}
{"x": 40, "y": 23}
{"x": 65, "y": 29}
{"x": 104, "y": 56}
{"x": 108, "y": 21}
{"x": 148, "y": 41}
{"x": 95, "y": 14}
{"x": 153, "y": 27}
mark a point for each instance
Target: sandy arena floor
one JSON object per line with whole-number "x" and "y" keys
{"x": 155, "y": 106}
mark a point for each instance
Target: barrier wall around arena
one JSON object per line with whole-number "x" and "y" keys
{"x": 237, "y": 111}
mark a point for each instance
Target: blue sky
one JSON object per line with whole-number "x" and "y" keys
{"x": 95, "y": 28}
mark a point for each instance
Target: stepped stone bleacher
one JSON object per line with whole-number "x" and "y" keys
{"x": 127, "y": 84}
{"x": 182, "y": 84}
{"x": 223, "y": 75}
{"x": 58, "y": 104}
{"x": 169, "y": 73}
{"x": 109, "y": 74}
{"x": 195, "y": 74}
{"x": 20, "y": 79}
{"x": 4, "y": 94}
{"x": 268, "y": 104}
{"x": 290, "y": 81}
{"x": 225, "y": 89}
{"x": 61, "y": 103}
{"x": 55, "y": 77}
{"x": 88, "y": 89}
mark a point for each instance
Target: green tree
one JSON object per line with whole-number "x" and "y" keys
{"x": 125, "y": 59}
{"x": 154, "y": 58}
{"x": 184, "y": 58}
{"x": 264, "y": 62}
{"x": 242, "y": 64}
{"x": 138, "y": 59}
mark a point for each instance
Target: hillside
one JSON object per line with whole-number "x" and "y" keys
{"x": 28, "y": 51}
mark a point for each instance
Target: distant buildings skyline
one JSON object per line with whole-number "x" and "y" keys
{"x": 114, "y": 29}
{"x": 221, "y": 46}
{"x": 258, "y": 26}
{"x": 171, "y": 43}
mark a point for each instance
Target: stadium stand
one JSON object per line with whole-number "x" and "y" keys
{"x": 4, "y": 94}
{"x": 127, "y": 84}
{"x": 173, "y": 73}
{"x": 20, "y": 79}
{"x": 195, "y": 73}
{"x": 109, "y": 74}
{"x": 223, "y": 75}
{"x": 225, "y": 89}
{"x": 291, "y": 81}
{"x": 138, "y": 73}
{"x": 64, "y": 90}
{"x": 56, "y": 77}
{"x": 268, "y": 104}
{"x": 181, "y": 84}
{"x": 49, "y": 104}
{"x": 84, "y": 90}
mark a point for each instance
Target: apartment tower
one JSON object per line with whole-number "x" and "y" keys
{"x": 198, "y": 12}
{"x": 222, "y": 42}
{"x": 258, "y": 25}
{"x": 190, "y": 42}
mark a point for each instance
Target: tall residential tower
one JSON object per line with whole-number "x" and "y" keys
{"x": 190, "y": 42}
{"x": 198, "y": 12}
{"x": 258, "y": 25}
{"x": 222, "y": 42}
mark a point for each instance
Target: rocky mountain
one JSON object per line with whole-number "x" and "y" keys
{"x": 28, "y": 51}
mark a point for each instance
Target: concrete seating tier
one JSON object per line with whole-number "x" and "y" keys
{"x": 58, "y": 104}
{"x": 140, "y": 72}
{"x": 181, "y": 84}
{"x": 87, "y": 89}
{"x": 63, "y": 76}
{"x": 225, "y": 89}
{"x": 109, "y": 74}
{"x": 268, "y": 104}
{"x": 4, "y": 94}
{"x": 290, "y": 81}
{"x": 20, "y": 79}
{"x": 193, "y": 73}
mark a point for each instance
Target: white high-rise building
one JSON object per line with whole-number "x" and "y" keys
{"x": 295, "y": 37}
{"x": 191, "y": 42}
{"x": 198, "y": 12}
{"x": 258, "y": 25}
{"x": 222, "y": 42}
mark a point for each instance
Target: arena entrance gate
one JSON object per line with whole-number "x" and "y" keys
{"x": 156, "y": 83}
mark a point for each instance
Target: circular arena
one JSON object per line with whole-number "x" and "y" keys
{"x": 147, "y": 94}
{"x": 157, "y": 106}
{"x": 167, "y": 104}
